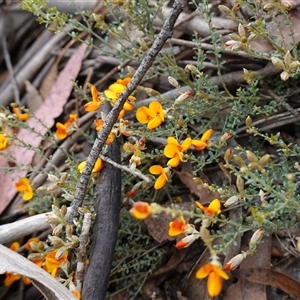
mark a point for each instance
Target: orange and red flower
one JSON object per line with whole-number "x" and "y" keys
{"x": 141, "y": 210}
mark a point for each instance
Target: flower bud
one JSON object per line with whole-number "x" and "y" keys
{"x": 173, "y": 81}
{"x": 256, "y": 238}
{"x": 286, "y": 5}
{"x": 63, "y": 210}
{"x": 182, "y": 97}
{"x": 60, "y": 253}
{"x": 56, "y": 241}
{"x": 224, "y": 9}
{"x": 248, "y": 121}
{"x": 284, "y": 76}
{"x": 235, "y": 262}
{"x": 226, "y": 136}
{"x": 57, "y": 230}
{"x": 191, "y": 68}
{"x": 186, "y": 241}
{"x": 277, "y": 62}
{"x": 52, "y": 178}
{"x": 233, "y": 200}
{"x": 255, "y": 166}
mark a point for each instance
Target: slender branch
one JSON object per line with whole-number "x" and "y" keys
{"x": 125, "y": 168}
{"x": 165, "y": 33}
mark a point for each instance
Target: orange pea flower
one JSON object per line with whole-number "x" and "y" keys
{"x": 64, "y": 130}
{"x": 99, "y": 165}
{"x": 163, "y": 176}
{"x": 203, "y": 142}
{"x": 174, "y": 150}
{"x": 20, "y": 116}
{"x": 124, "y": 81}
{"x": 154, "y": 115}
{"x": 23, "y": 186}
{"x": 141, "y": 210}
{"x": 213, "y": 208}
{"x": 113, "y": 93}
{"x": 177, "y": 227}
{"x": 3, "y": 142}
{"x": 52, "y": 263}
{"x": 96, "y": 100}
{"x": 215, "y": 278}
{"x": 10, "y": 278}
{"x": 98, "y": 126}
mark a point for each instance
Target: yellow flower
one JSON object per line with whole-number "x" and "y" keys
{"x": 99, "y": 165}
{"x": 163, "y": 175}
{"x": 96, "y": 100}
{"x": 213, "y": 208}
{"x": 64, "y": 130}
{"x": 203, "y": 142}
{"x": 113, "y": 93}
{"x": 154, "y": 115}
{"x": 3, "y": 142}
{"x": 215, "y": 276}
{"x": 177, "y": 227}
{"x": 52, "y": 264}
{"x": 141, "y": 210}
{"x": 20, "y": 116}
{"x": 23, "y": 186}
{"x": 175, "y": 151}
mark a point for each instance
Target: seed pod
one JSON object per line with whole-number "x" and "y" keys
{"x": 248, "y": 121}
{"x": 251, "y": 156}
{"x": 228, "y": 155}
{"x": 237, "y": 159}
{"x": 240, "y": 183}
{"x": 264, "y": 159}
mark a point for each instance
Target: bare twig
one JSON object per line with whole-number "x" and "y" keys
{"x": 283, "y": 103}
{"x": 165, "y": 33}
{"x": 125, "y": 168}
{"x": 81, "y": 250}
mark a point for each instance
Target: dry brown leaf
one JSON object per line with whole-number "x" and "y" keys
{"x": 204, "y": 194}
{"x": 158, "y": 225}
{"x": 51, "y": 109}
{"x": 270, "y": 277}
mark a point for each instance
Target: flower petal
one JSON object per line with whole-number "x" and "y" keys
{"x": 171, "y": 150}
{"x": 160, "y": 181}
{"x": 186, "y": 144}
{"x": 174, "y": 162}
{"x": 91, "y": 106}
{"x": 214, "y": 284}
{"x": 154, "y": 123}
{"x": 171, "y": 140}
{"x": 204, "y": 271}
{"x": 111, "y": 95}
{"x": 206, "y": 135}
{"x": 215, "y": 205}
{"x": 117, "y": 88}
{"x": 199, "y": 145}
{"x": 143, "y": 114}
{"x": 156, "y": 169}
